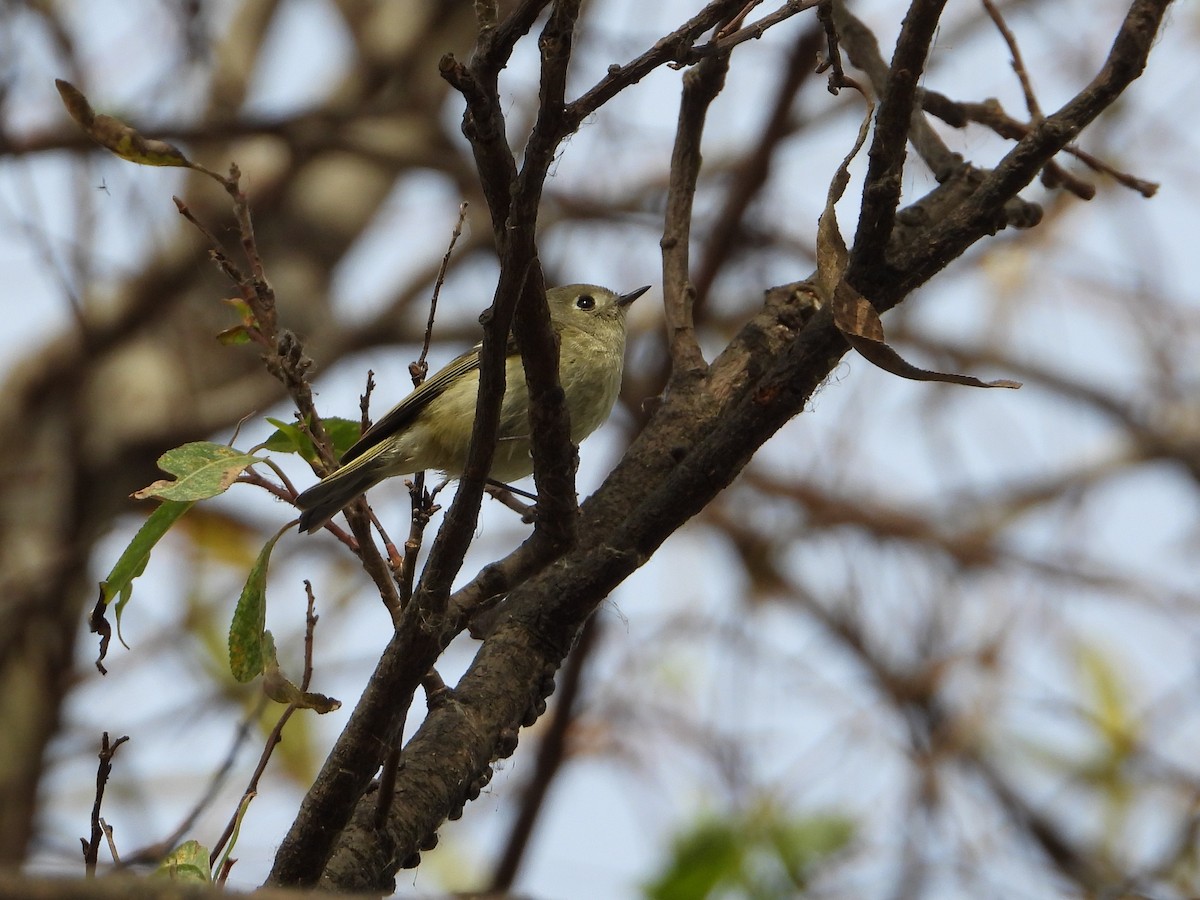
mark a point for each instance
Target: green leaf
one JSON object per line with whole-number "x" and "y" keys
{"x": 243, "y": 808}
{"x": 247, "y": 631}
{"x": 289, "y": 437}
{"x": 233, "y": 336}
{"x": 343, "y": 432}
{"x": 759, "y": 854}
{"x": 202, "y": 469}
{"x": 802, "y": 843}
{"x": 708, "y": 855}
{"x": 132, "y": 561}
{"x": 187, "y": 862}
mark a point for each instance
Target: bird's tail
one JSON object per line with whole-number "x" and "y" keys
{"x": 327, "y": 497}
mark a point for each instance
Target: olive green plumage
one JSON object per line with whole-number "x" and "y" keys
{"x": 431, "y": 427}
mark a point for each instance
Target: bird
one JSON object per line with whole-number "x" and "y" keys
{"x": 431, "y": 427}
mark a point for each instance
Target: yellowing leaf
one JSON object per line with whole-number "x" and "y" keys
{"x": 202, "y": 470}
{"x": 279, "y": 688}
{"x": 123, "y": 140}
{"x": 1114, "y": 716}
{"x": 187, "y": 862}
{"x": 219, "y": 537}
{"x": 247, "y": 630}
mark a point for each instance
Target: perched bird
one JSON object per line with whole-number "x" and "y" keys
{"x": 431, "y": 427}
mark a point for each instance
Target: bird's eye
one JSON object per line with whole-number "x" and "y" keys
{"x": 585, "y": 301}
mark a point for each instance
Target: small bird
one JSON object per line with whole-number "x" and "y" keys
{"x": 431, "y": 427}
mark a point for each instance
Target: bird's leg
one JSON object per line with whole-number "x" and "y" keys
{"x": 501, "y": 486}
{"x": 505, "y": 494}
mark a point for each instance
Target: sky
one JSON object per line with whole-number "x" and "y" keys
{"x": 607, "y": 823}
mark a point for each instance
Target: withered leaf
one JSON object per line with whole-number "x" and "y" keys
{"x": 853, "y": 314}
{"x": 859, "y": 323}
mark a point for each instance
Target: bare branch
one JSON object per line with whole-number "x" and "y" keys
{"x": 700, "y": 87}
{"x": 946, "y": 239}
{"x": 881, "y": 190}
{"x": 91, "y": 847}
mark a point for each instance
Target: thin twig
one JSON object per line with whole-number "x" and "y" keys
{"x": 420, "y": 368}
{"x": 749, "y": 175}
{"x": 736, "y": 22}
{"x": 387, "y": 784}
{"x": 364, "y": 402}
{"x": 156, "y": 851}
{"x": 423, "y": 509}
{"x": 833, "y": 53}
{"x": 276, "y": 734}
{"x": 91, "y": 848}
{"x": 241, "y": 210}
{"x": 284, "y": 356}
{"x": 112, "y": 844}
{"x": 674, "y": 47}
{"x": 251, "y": 791}
{"x": 1018, "y": 64}
{"x": 226, "y": 867}
{"x": 1053, "y": 175}
{"x": 310, "y": 629}
{"x": 507, "y": 496}
{"x": 249, "y": 476}
{"x": 723, "y": 43}
{"x": 991, "y": 114}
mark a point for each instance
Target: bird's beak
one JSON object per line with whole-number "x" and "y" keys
{"x": 626, "y": 299}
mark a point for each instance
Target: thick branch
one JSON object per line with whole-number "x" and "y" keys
{"x": 552, "y": 753}
{"x": 520, "y": 300}
{"x": 622, "y": 526}
{"x": 863, "y": 50}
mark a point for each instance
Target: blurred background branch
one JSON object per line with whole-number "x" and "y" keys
{"x": 931, "y": 642}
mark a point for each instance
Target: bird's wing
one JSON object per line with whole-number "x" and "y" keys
{"x": 407, "y": 410}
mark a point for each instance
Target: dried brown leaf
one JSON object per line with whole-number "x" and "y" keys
{"x": 853, "y": 314}
{"x": 859, "y": 323}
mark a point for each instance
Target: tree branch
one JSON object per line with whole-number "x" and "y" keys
{"x": 695, "y": 445}
{"x": 700, "y": 87}
{"x": 552, "y": 753}
{"x": 881, "y": 191}
{"x": 675, "y": 47}
{"x": 945, "y": 240}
